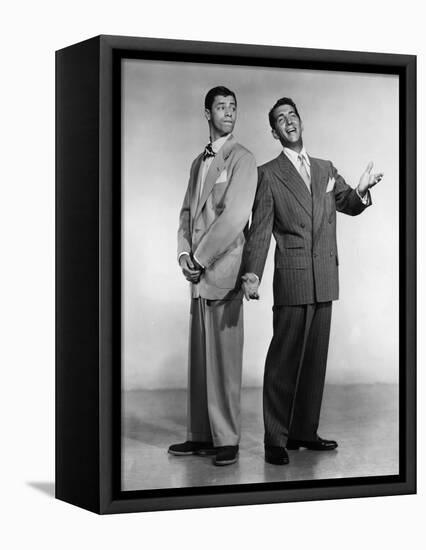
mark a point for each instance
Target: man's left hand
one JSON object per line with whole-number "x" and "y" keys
{"x": 368, "y": 180}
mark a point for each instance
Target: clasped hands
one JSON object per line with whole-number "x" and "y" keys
{"x": 191, "y": 269}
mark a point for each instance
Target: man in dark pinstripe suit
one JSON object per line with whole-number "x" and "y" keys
{"x": 297, "y": 199}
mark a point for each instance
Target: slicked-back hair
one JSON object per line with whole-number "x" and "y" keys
{"x": 218, "y": 90}
{"x": 282, "y": 101}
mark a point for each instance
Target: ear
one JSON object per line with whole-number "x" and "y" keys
{"x": 274, "y": 134}
{"x": 207, "y": 114}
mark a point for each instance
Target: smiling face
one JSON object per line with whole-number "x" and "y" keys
{"x": 221, "y": 116}
{"x": 288, "y": 127}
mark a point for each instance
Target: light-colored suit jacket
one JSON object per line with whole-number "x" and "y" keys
{"x": 304, "y": 227}
{"x": 211, "y": 226}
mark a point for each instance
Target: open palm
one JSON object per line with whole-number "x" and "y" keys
{"x": 368, "y": 179}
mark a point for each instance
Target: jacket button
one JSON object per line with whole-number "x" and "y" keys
{"x": 331, "y": 253}
{"x": 302, "y": 225}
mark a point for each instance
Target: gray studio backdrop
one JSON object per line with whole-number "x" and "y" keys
{"x": 348, "y": 118}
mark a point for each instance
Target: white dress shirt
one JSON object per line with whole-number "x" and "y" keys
{"x": 293, "y": 157}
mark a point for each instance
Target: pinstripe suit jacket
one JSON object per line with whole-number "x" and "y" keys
{"x": 304, "y": 227}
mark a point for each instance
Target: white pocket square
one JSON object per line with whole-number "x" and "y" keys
{"x": 223, "y": 177}
{"x": 330, "y": 185}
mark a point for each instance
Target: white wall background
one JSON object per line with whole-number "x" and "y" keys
{"x": 30, "y": 32}
{"x": 349, "y": 118}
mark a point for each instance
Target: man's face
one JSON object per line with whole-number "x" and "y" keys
{"x": 288, "y": 126}
{"x": 222, "y": 116}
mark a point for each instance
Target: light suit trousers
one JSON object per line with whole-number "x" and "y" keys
{"x": 215, "y": 367}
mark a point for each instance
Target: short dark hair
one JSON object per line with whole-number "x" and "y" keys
{"x": 282, "y": 101}
{"x": 217, "y": 90}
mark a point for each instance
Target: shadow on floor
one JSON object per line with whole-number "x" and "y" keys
{"x": 46, "y": 487}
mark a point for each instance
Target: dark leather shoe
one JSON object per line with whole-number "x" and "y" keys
{"x": 192, "y": 448}
{"x": 316, "y": 445}
{"x": 276, "y": 455}
{"x": 226, "y": 455}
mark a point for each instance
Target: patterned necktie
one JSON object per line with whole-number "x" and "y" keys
{"x": 304, "y": 172}
{"x": 208, "y": 151}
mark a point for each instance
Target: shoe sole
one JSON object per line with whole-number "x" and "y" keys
{"x": 298, "y": 447}
{"x": 225, "y": 462}
{"x": 206, "y": 452}
{"x": 180, "y": 453}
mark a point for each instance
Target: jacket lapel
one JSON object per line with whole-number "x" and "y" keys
{"x": 215, "y": 170}
{"x": 317, "y": 196}
{"x": 291, "y": 178}
{"x": 196, "y": 185}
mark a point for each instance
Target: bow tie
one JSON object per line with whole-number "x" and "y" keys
{"x": 208, "y": 152}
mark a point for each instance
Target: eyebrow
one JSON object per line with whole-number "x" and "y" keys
{"x": 282, "y": 115}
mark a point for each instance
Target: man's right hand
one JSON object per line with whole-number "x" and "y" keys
{"x": 189, "y": 270}
{"x": 251, "y": 286}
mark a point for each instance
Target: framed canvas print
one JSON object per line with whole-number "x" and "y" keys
{"x": 235, "y": 289}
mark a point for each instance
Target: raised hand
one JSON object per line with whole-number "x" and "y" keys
{"x": 368, "y": 179}
{"x": 250, "y": 286}
{"x": 189, "y": 269}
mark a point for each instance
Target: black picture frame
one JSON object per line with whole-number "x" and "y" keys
{"x": 88, "y": 309}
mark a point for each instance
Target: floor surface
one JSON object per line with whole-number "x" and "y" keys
{"x": 362, "y": 418}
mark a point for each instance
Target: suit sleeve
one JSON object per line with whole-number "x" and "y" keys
{"x": 347, "y": 199}
{"x": 259, "y": 236}
{"x": 184, "y": 230}
{"x": 235, "y": 214}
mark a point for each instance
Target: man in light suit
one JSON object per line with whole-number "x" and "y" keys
{"x": 297, "y": 199}
{"x": 213, "y": 218}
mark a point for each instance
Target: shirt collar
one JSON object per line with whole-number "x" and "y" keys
{"x": 217, "y": 145}
{"x": 293, "y": 156}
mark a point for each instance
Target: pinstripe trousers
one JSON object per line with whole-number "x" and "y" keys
{"x": 295, "y": 372}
